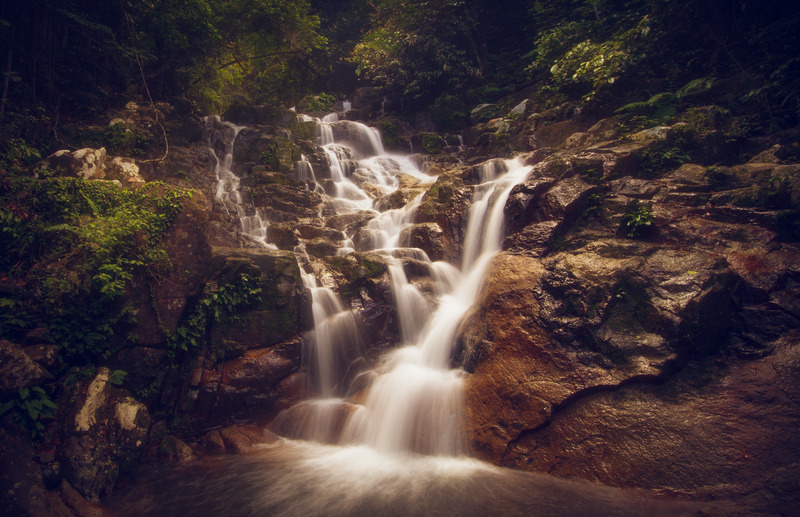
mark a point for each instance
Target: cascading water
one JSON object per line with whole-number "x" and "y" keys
{"x": 401, "y": 448}
{"x": 253, "y": 223}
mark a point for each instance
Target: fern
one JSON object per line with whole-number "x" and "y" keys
{"x": 655, "y": 102}
{"x": 663, "y": 104}
{"x": 698, "y": 85}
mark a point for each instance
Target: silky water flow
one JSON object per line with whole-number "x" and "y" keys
{"x": 399, "y": 449}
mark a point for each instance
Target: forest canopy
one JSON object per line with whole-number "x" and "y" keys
{"x": 76, "y": 57}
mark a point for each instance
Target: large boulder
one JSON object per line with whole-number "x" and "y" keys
{"x": 716, "y": 430}
{"x": 159, "y": 305}
{"x": 84, "y": 163}
{"x": 248, "y": 388}
{"x": 103, "y": 433}
{"x": 281, "y": 312}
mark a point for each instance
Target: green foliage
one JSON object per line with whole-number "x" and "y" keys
{"x": 220, "y": 304}
{"x": 76, "y": 245}
{"x": 432, "y": 143}
{"x": 17, "y": 155}
{"x": 117, "y": 377}
{"x": 321, "y": 103}
{"x": 450, "y": 112}
{"x": 661, "y": 158}
{"x": 637, "y": 220}
{"x": 661, "y": 107}
{"x": 30, "y": 409}
{"x": 390, "y": 135}
{"x": 414, "y": 48}
{"x": 591, "y": 61}
{"x": 118, "y": 139}
{"x": 269, "y": 156}
{"x": 591, "y": 208}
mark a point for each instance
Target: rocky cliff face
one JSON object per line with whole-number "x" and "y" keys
{"x": 640, "y": 329}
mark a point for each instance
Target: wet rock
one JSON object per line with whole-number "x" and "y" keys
{"x": 314, "y": 420}
{"x": 18, "y": 370}
{"x": 286, "y": 202}
{"x": 716, "y": 430}
{"x": 282, "y": 235}
{"x": 311, "y": 231}
{"x": 446, "y": 203}
{"x": 252, "y": 145}
{"x": 428, "y": 237}
{"x": 174, "y": 450}
{"x": 542, "y": 206}
{"x": 25, "y": 488}
{"x": 243, "y": 439}
{"x": 553, "y": 135}
{"x": 246, "y": 388}
{"x": 349, "y": 223}
{"x": 545, "y": 330}
{"x": 321, "y": 247}
{"x": 397, "y": 199}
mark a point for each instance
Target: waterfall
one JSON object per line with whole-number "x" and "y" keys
{"x": 253, "y": 223}
{"x": 387, "y": 441}
{"x": 414, "y": 402}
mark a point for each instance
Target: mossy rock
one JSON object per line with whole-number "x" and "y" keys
{"x": 357, "y": 269}
{"x": 278, "y": 313}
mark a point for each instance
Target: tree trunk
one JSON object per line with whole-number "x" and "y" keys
{"x": 6, "y": 81}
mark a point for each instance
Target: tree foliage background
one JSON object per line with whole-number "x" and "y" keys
{"x": 76, "y": 57}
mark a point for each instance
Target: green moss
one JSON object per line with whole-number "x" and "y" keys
{"x": 357, "y": 269}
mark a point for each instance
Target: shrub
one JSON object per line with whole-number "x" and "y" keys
{"x": 75, "y": 245}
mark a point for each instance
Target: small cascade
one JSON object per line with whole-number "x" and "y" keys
{"x": 253, "y": 222}
{"x": 335, "y": 343}
{"x": 415, "y": 404}
{"x": 303, "y": 170}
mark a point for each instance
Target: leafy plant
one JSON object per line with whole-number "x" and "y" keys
{"x": 118, "y": 138}
{"x": 219, "y": 304}
{"x": 432, "y": 143}
{"x": 117, "y": 377}
{"x": 30, "y": 408}
{"x": 637, "y": 220}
